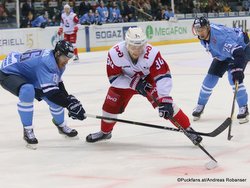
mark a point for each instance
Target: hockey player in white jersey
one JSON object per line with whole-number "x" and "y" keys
{"x": 38, "y": 74}
{"x": 69, "y": 26}
{"x": 136, "y": 67}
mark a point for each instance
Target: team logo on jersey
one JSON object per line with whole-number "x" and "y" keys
{"x": 214, "y": 40}
{"x": 148, "y": 49}
{"x": 117, "y": 49}
{"x": 67, "y": 23}
{"x": 114, "y": 99}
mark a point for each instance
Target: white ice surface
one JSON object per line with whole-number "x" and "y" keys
{"x": 135, "y": 157}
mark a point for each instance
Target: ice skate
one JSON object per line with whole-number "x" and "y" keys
{"x": 196, "y": 139}
{"x": 63, "y": 129}
{"x": 198, "y": 110}
{"x": 94, "y": 137}
{"x": 29, "y": 137}
{"x": 76, "y": 59}
{"x": 243, "y": 115}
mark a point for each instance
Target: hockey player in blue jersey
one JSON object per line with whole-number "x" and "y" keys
{"x": 230, "y": 50}
{"x": 37, "y": 74}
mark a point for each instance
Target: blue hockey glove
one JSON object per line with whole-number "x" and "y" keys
{"x": 75, "y": 108}
{"x": 238, "y": 74}
{"x": 166, "y": 107}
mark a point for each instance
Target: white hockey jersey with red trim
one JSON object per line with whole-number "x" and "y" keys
{"x": 121, "y": 70}
{"x": 68, "y": 22}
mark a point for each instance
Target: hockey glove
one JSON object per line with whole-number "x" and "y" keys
{"x": 73, "y": 99}
{"x": 60, "y": 31}
{"x": 43, "y": 25}
{"x": 238, "y": 74}
{"x": 166, "y": 107}
{"x": 246, "y": 37}
{"x": 75, "y": 108}
{"x": 75, "y": 29}
{"x": 140, "y": 85}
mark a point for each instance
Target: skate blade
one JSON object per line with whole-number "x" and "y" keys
{"x": 71, "y": 138}
{"x": 196, "y": 118}
{"x": 31, "y": 146}
{"x": 244, "y": 120}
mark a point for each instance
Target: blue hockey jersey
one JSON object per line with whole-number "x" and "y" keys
{"x": 38, "y": 21}
{"x": 223, "y": 41}
{"x": 38, "y": 67}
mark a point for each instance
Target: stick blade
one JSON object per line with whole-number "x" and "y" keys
{"x": 229, "y": 136}
{"x": 222, "y": 127}
{"x": 227, "y": 122}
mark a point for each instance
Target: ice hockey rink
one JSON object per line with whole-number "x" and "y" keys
{"x": 136, "y": 156}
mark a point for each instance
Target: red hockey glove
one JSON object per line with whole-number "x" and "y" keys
{"x": 60, "y": 31}
{"x": 75, "y": 29}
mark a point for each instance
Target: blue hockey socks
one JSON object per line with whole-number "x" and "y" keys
{"x": 25, "y": 105}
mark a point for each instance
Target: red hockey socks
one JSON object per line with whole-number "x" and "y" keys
{"x": 182, "y": 119}
{"x": 107, "y": 127}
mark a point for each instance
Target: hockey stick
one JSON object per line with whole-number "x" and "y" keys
{"x": 211, "y": 164}
{"x": 197, "y": 144}
{"x": 230, "y": 119}
{"x": 214, "y": 133}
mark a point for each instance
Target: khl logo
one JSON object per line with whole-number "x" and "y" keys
{"x": 149, "y": 32}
